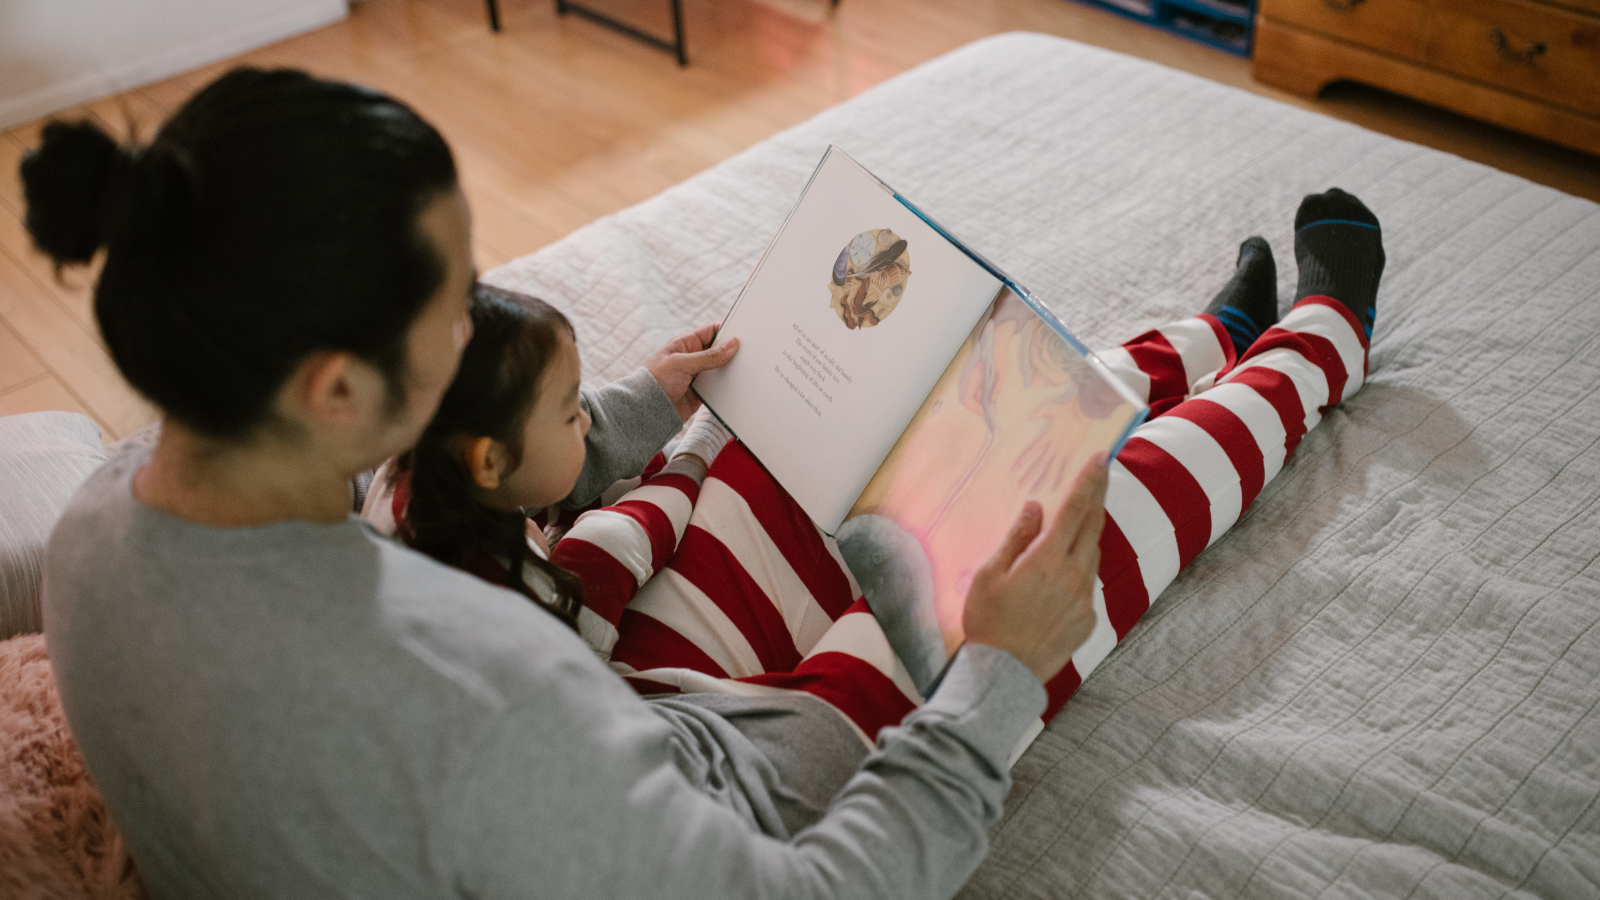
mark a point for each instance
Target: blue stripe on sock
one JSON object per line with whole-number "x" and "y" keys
{"x": 1337, "y": 222}
{"x": 1232, "y": 316}
{"x": 1241, "y": 341}
{"x": 1241, "y": 328}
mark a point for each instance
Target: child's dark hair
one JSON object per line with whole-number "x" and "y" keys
{"x": 273, "y": 216}
{"x": 514, "y": 338}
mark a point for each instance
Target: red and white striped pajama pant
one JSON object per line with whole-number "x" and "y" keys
{"x": 756, "y": 599}
{"x": 1219, "y": 430}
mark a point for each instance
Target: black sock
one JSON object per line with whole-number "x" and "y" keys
{"x": 1248, "y": 304}
{"x": 1339, "y": 247}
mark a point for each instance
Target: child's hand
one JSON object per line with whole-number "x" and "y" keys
{"x": 684, "y": 357}
{"x": 1035, "y": 597}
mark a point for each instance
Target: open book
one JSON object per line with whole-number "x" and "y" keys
{"x": 906, "y": 393}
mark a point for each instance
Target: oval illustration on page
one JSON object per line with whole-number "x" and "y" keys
{"x": 869, "y": 278}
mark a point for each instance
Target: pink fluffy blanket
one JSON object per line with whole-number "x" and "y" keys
{"x": 56, "y": 839}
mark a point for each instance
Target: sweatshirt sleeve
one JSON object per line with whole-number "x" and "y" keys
{"x": 562, "y": 805}
{"x": 616, "y": 549}
{"x": 631, "y": 419}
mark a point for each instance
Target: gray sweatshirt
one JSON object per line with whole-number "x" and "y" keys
{"x": 304, "y": 710}
{"x": 630, "y": 420}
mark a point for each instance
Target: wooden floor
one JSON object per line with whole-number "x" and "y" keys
{"x": 556, "y": 122}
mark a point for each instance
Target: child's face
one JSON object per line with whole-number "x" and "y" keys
{"x": 552, "y": 440}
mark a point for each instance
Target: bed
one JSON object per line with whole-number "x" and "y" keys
{"x": 1383, "y": 682}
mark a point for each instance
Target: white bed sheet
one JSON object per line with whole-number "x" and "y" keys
{"x": 1383, "y": 682}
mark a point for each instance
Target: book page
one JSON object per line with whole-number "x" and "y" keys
{"x": 844, "y": 327}
{"x": 1013, "y": 418}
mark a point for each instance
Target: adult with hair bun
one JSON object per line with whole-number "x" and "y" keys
{"x": 276, "y": 701}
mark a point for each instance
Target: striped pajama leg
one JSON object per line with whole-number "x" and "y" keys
{"x": 1221, "y": 430}
{"x": 757, "y": 600}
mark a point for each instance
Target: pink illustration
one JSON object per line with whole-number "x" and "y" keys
{"x": 1013, "y": 418}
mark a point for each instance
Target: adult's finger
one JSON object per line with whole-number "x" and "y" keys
{"x": 1085, "y": 502}
{"x": 1093, "y": 521}
{"x": 1093, "y": 526}
{"x": 1083, "y": 564}
{"x": 1021, "y": 535}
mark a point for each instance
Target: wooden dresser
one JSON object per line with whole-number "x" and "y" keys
{"x": 1527, "y": 65}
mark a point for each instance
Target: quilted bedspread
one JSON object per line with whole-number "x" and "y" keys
{"x": 1383, "y": 682}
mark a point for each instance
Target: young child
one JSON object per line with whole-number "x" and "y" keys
{"x": 508, "y": 438}
{"x": 718, "y": 582}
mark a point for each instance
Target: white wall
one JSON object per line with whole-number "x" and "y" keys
{"x": 56, "y": 53}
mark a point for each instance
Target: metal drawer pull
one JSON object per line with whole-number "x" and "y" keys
{"x": 1342, "y": 6}
{"x": 1502, "y": 47}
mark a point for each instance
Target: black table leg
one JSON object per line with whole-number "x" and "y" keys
{"x": 676, "y": 46}
{"x": 677, "y": 32}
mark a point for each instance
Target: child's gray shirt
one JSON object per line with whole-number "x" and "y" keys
{"x": 630, "y": 420}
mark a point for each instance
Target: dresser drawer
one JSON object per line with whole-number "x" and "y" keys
{"x": 1534, "y": 49}
{"x": 1394, "y": 26}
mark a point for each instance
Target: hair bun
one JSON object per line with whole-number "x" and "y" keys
{"x": 71, "y": 183}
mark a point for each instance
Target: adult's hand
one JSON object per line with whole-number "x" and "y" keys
{"x": 684, "y": 357}
{"x": 1034, "y": 598}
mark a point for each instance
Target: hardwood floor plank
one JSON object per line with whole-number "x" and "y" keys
{"x": 28, "y": 133}
{"x": 18, "y": 364}
{"x": 501, "y": 231}
{"x": 11, "y": 153}
{"x": 494, "y": 141}
{"x": 595, "y": 99}
{"x": 70, "y": 353}
{"x": 167, "y": 95}
{"x": 71, "y": 291}
{"x": 44, "y": 394}
{"x": 128, "y": 116}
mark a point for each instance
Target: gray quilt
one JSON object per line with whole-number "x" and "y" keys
{"x": 1383, "y": 682}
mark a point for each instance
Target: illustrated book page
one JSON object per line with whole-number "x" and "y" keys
{"x": 847, "y": 322}
{"x": 1014, "y": 417}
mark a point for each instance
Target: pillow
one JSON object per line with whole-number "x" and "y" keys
{"x": 56, "y": 840}
{"x": 44, "y": 457}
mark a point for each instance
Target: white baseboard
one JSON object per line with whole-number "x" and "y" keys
{"x": 104, "y": 82}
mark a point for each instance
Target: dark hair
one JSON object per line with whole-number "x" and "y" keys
{"x": 273, "y": 216}
{"x": 514, "y": 337}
